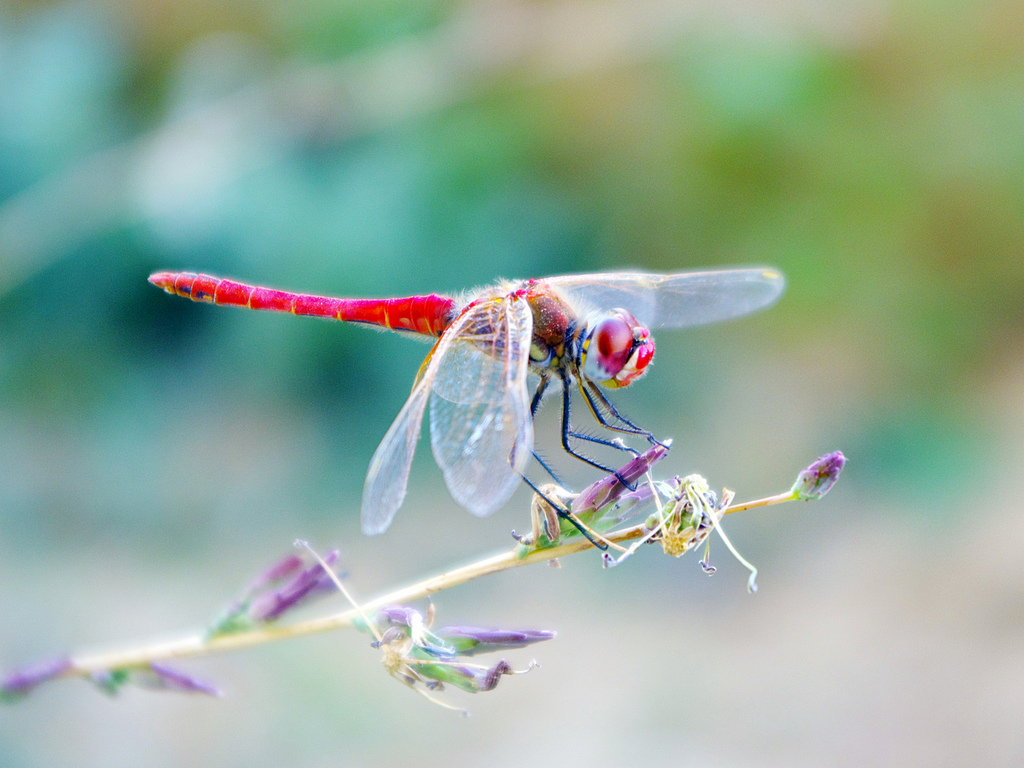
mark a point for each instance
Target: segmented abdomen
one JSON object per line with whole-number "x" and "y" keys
{"x": 428, "y": 315}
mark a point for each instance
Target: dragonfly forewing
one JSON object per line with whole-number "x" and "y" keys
{"x": 676, "y": 300}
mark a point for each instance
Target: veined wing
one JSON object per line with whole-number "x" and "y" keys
{"x": 676, "y": 299}
{"x": 388, "y": 475}
{"x": 481, "y": 430}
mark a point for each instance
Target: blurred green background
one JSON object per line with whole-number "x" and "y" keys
{"x": 155, "y": 453}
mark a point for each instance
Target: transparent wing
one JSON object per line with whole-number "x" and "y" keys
{"x": 481, "y": 431}
{"x": 388, "y": 475}
{"x": 676, "y": 299}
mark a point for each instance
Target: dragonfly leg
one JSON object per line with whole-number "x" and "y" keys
{"x": 569, "y": 433}
{"x": 546, "y": 467}
{"x": 535, "y": 403}
{"x": 563, "y": 512}
{"x": 599, "y": 405}
{"x": 606, "y": 415}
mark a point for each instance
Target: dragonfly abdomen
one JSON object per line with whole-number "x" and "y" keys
{"x": 428, "y": 315}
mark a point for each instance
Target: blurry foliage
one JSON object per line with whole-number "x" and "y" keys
{"x": 151, "y": 450}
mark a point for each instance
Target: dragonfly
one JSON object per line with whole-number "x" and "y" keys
{"x": 496, "y": 350}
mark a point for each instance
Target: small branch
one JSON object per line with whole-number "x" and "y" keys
{"x": 199, "y": 645}
{"x": 690, "y": 511}
{"x": 780, "y": 498}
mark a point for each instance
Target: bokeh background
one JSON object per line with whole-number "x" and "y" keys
{"x": 154, "y": 454}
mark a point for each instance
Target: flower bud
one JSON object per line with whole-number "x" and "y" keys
{"x": 21, "y": 682}
{"x": 468, "y": 641}
{"x": 818, "y": 479}
{"x": 471, "y": 678}
{"x": 610, "y": 488}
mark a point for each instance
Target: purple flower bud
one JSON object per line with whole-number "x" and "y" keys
{"x": 397, "y": 615}
{"x": 468, "y": 641}
{"x": 416, "y": 656}
{"x": 261, "y": 603}
{"x": 275, "y": 573}
{"x": 469, "y": 677}
{"x": 21, "y": 682}
{"x": 818, "y": 479}
{"x": 609, "y": 488}
{"x": 272, "y": 605}
{"x": 155, "y": 676}
{"x": 489, "y": 680}
{"x": 168, "y": 678}
{"x": 402, "y": 621}
{"x": 629, "y": 503}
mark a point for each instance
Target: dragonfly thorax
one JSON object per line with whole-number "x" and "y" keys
{"x": 552, "y": 328}
{"x": 614, "y": 348}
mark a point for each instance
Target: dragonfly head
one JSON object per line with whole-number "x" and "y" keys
{"x": 616, "y": 349}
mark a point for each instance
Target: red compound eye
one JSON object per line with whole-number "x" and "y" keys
{"x": 618, "y": 351}
{"x": 613, "y": 339}
{"x": 638, "y": 361}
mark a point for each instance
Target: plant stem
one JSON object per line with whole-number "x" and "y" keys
{"x": 780, "y": 498}
{"x": 199, "y": 644}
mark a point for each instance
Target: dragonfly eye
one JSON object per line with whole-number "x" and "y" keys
{"x": 618, "y": 350}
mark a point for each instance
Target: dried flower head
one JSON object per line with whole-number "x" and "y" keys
{"x": 688, "y": 516}
{"x": 427, "y": 660}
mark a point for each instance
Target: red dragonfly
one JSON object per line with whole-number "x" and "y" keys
{"x": 497, "y": 350}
